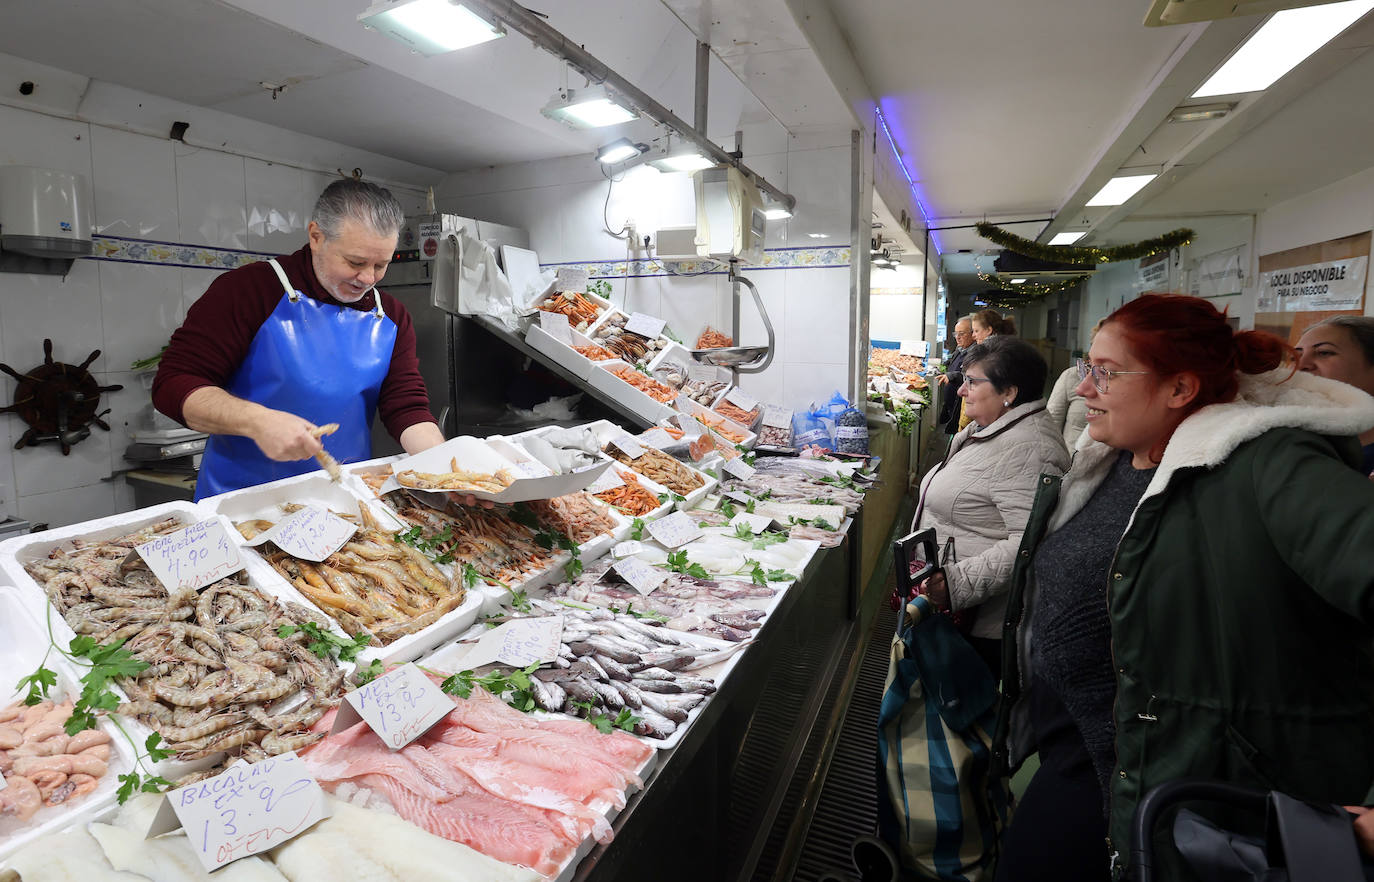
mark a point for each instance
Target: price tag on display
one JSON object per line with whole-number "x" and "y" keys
{"x": 739, "y": 468}
{"x": 628, "y": 446}
{"x": 777, "y": 417}
{"x": 658, "y": 439}
{"x": 193, "y": 557}
{"x": 757, "y": 523}
{"x": 740, "y": 496}
{"x": 571, "y": 279}
{"x": 310, "y": 534}
{"x": 674, "y": 530}
{"x": 608, "y": 480}
{"x": 641, "y": 577}
{"x": 688, "y": 424}
{"x": 645, "y": 325}
{"x": 628, "y": 548}
{"x": 244, "y": 810}
{"x": 913, "y": 347}
{"x": 703, "y": 373}
{"x": 555, "y": 324}
{"x": 400, "y": 706}
{"x": 741, "y": 399}
{"x": 519, "y": 642}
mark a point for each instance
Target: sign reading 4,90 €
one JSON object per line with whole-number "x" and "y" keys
{"x": 192, "y": 558}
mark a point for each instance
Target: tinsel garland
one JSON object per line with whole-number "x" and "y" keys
{"x": 1085, "y": 255}
{"x": 1028, "y": 291}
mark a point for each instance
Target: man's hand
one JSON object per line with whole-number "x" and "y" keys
{"x": 1364, "y": 828}
{"x": 284, "y": 436}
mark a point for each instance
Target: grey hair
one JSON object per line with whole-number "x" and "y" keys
{"x": 1361, "y": 327}
{"x": 370, "y": 205}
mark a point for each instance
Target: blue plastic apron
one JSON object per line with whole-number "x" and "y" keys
{"x": 321, "y": 362}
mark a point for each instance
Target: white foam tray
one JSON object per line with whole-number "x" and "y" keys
{"x": 606, "y": 430}
{"x": 691, "y": 408}
{"x": 264, "y": 501}
{"x": 604, "y": 306}
{"x": 23, "y": 645}
{"x": 14, "y": 553}
{"x": 664, "y": 341}
{"x": 577, "y": 364}
{"x": 641, "y": 405}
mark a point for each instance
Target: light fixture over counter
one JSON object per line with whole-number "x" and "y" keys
{"x": 430, "y": 27}
{"x": 1121, "y": 188}
{"x": 591, "y": 108}
{"x": 620, "y": 150}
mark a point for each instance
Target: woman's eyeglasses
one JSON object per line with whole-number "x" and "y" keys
{"x": 1101, "y": 376}
{"x": 974, "y": 381}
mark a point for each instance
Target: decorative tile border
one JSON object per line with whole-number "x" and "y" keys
{"x": 780, "y": 258}
{"x": 149, "y": 251}
{"x": 123, "y": 250}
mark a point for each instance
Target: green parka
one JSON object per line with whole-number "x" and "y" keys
{"x": 1241, "y": 601}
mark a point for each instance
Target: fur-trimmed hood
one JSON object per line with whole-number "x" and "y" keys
{"x": 1272, "y": 400}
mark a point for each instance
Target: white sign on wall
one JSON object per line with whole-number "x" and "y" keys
{"x": 1218, "y": 275}
{"x": 1314, "y": 287}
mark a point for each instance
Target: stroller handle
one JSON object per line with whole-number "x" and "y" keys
{"x": 1168, "y": 794}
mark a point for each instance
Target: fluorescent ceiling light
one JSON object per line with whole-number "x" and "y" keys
{"x": 684, "y": 159}
{"x": 430, "y": 27}
{"x": 1284, "y": 41}
{"x": 619, "y": 150}
{"x": 819, "y": 235}
{"x": 591, "y": 108}
{"x": 1200, "y": 112}
{"x": 1121, "y": 188}
{"x": 778, "y": 213}
{"x": 1067, "y": 238}
{"x": 1018, "y": 281}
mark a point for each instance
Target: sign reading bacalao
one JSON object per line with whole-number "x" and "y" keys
{"x": 1314, "y": 287}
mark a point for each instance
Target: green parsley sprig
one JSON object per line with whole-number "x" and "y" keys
{"x": 498, "y": 683}
{"x": 678, "y": 563}
{"x": 625, "y": 721}
{"x": 325, "y": 643}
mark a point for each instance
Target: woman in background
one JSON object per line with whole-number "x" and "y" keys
{"x": 986, "y": 324}
{"x": 1342, "y": 348}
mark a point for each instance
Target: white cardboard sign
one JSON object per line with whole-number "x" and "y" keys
{"x": 400, "y": 706}
{"x": 641, "y": 577}
{"x": 757, "y": 523}
{"x": 192, "y": 558}
{"x": 776, "y": 416}
{"x": 703, "y": 373}
{"x": 609, "y": 480}
{"x": 519, "y": 642}
{"x": 628, "y": 446}
{"x": 658, "y": 439}
{"x": 739, "y": 468}
{"x": 674, "y": 530}
{"x": 244, "y": 810}
{"x": 571, "y": 279}
{"x": 628, "y": 548}
{"x": 645, "y": 325}
{"x": 309, "y": 534}
{"x": 741, "y": 399}
{"x": 555, "y": 324}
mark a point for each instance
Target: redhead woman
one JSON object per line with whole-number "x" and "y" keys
{"x": 1181, "y": 608}
{"x": 978, "y": 499}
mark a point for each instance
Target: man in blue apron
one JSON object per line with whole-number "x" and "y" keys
{"x": 277, "y": 348}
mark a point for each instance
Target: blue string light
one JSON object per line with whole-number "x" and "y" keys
{"x": 906, "y": 173}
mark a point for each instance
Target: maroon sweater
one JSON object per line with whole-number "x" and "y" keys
{"x": 213, "y": 341}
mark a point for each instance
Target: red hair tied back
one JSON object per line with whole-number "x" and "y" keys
{"x": 1258, "y": 352}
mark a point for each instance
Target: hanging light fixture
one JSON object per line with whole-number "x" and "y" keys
{"x": 430, "y": 27}
{"x": 590, "y": 108}
{"x": 620, "y": 150}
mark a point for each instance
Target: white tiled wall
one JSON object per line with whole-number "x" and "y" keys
{"x": 564, "y": 205}
{"x": 143, "y": 188}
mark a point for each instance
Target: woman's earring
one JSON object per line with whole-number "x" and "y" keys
{"x": 1006, "y": 404}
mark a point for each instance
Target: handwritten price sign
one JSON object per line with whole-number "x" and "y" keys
{"x": 244, "y": 810}
{"x": 400, "y": 705}
{"x": 310, "y": 534}
{"x": 674, "y": 530}
{"x": 642, "y": 577}
{"x": 193, "y": 557}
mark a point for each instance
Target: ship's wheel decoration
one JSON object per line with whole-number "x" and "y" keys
{"x": 58, "y": 401}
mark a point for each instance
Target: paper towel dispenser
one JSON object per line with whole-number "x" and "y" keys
{"x": 44, "y": 212}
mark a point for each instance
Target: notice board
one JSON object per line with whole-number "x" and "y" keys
{"x": 1302, "y": 286}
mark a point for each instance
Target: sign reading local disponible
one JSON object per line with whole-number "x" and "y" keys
{"x": 192, "y": 558}
{"x": 244, "y": 810}
{"x": 400, "y": 706}
{"x": 1315, "y": 287}
{"x": 310, "y": 534}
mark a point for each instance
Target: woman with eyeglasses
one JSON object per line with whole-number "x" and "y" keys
{"x": 1195, "y": 599}
{"x": 978, "y": 499}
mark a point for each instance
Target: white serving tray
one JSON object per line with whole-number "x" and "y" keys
{"x": 532, "y": 478}
{"x": 577, "y": 364}
{"x": 23, "y": 645}
{"x": 691, "y": 408}
{"x": 640, "y": 404}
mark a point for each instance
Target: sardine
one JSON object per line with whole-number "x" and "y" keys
{"x": 656, "y": 686}
{"x": 698, "y": 685}
{"x": 656, "y": 704}
{"x": 609, "y": 696}
{"x": 653, "y": 673}
{"x": 614, "y": 669}
{"x": 548, "y": 695}
{"x": 632, "y": 697}
{"x": 654, "y": 725}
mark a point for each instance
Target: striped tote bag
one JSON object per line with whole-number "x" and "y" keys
{"x": 941, "y": 809}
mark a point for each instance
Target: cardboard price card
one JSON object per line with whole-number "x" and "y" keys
{"x": 739, "y": 468}
{"x": 244, "y": 810}
{"x": 628, "y": 446}
{"x": 628, "y": 548}
{"x": 640, "y": 576}
{"x": 644, "y": 325}
{"x": 400, "y": 706}
{"x": 674, "y": 530}
{"x": 608, "y": 480}
{"x": 555, "y": 324}
{"x": 757, "y": 523}
{"x": 193, "y": 557}
{"x": 703, "y": 373}
{"x": 741, "y": 399}
{"x": 571, "y": 280}
{"x": 777, "y": 416}
{"x": 519, "y": 642}
{"x": 658, "y": 439}
{"x": 310, "y": 534}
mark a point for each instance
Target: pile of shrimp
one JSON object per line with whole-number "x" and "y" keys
{"x": 457, "y": 479}
{"x": 42, "y": 764}
{"x": 487, "y": 539}
{"x": 218, "y": 677}
{"x": 660, "y": 468}
{"x": 374, "y": 584}
{"x": 738, "y": 414}
{"x": 576, "y": 515}
{"x": 648, "y": 385}
{"x": 632, "y": 497}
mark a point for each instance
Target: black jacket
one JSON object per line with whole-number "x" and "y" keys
{"x": 949, "y": 401}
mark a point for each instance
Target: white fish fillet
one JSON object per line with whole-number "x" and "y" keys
{"x": 170, "y": 858}
{"x": 369, "y": 846}
{"x": 73, "y": 856}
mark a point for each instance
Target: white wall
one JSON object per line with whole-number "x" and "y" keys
{"x": 153, "y": 189}
{"x": 561, "y": 204}
{"x": 1337, "y": 210}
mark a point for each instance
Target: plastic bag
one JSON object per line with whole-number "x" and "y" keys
{"x": 483, "y": 289}
{"x": 808, "y": 431}
{"x": 713, "y": 339}
{"x": 851, "y": 432}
